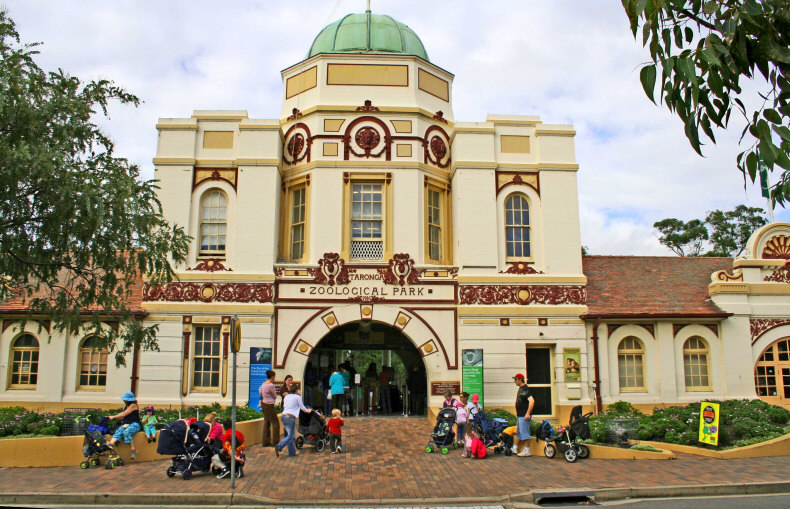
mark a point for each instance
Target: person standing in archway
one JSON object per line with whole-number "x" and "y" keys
{"x": 271, "y": 425}
{"x": 416, "y": 385}
{"x": 524, "y": 405}
{"x": 336, "y": 390}
{"x": 384, "y": 390}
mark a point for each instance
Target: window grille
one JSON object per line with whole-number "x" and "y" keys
{"x": 367, "y": 250}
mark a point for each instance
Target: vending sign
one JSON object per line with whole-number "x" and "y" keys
{"x": 709, "y": 423}
{"x": 472, "y": 372}
{"x": 260, "y": 363}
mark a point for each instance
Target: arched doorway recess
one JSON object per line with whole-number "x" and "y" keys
{"x": 366, "y": 349}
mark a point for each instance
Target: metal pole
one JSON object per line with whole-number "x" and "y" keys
{"x": 233, "y": 414}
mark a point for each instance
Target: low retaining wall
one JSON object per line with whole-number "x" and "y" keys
{"x": 67, "y": 451}
{"x": 776, "y": 447}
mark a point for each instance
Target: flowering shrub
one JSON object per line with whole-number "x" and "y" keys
{"x": 741, "y": 422}
{"x": 20, "y": 421}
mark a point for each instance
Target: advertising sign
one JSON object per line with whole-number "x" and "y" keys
{"x": 571, "y": 360}
{"x": 472, "y": 372}
{"x": 709, "y": 423}
{"x": 260, "y": 363}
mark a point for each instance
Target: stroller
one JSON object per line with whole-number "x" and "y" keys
{"x": 187, "y": 442}
{"x": 491, "y": 433}
{"x": 312, "y": 427}
{"x": 566, "y": 437}
{"x": 95, "y": 445}
{"x": 442, "y": 435}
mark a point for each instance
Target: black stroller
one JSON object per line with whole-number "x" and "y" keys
{"x": 312, "y": 427}
{"x": 491, "y": 433}
{"x": 187, "y": 442}
{"x": 566, "y": 438}
{"x": 94, "y": 446}
{"x": 442, "y": 435}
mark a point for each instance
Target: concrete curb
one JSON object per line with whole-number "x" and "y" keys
{"x": 521, "y": 499}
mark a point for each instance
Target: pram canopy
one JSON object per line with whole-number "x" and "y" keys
{"x": 177, "y": 437}
{"x": 446, "y": 414}
{"x": 311, "y": 423}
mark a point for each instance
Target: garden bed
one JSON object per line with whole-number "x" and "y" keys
{"x": 18, "y": 422}
{"x": 744, "y": 425}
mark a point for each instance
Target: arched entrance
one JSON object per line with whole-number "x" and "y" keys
{"x": 772, "y": 373}
{"x": 373, "y": 353}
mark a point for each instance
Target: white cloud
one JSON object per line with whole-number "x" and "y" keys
{"x": 567, "y": 61}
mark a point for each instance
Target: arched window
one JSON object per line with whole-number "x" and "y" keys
{"x": 213, "y": 222}
{"x": 517, "y": 227}
{"x": 24, "y": 362}
{"x": 695, "y": 364}
{"x": 772, "y": 373}
{"x": 631, "y": 365}
{"x": 93, "y": 364}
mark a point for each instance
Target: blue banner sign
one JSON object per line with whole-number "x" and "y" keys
{"x": 260, "y": 363}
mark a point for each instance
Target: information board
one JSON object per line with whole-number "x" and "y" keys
{"x": 472, "y": 372}
{"x": 260, "y": 363}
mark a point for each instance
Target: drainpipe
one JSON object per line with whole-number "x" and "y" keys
{"x": 135, "y": 368}
{"x": 597, "y": 374}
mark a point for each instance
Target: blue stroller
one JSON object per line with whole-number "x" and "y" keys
{"x": 491, "y": 432}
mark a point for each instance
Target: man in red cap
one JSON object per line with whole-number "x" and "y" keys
{"x": 524, "y": 404}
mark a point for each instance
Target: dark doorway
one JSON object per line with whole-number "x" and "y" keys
{"x": 365, "y": 348}
{"x": 539, "y": 379}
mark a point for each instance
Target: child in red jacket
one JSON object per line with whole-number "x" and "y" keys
{"x": 477, "y": 449}
{"x": 333, "y": 426}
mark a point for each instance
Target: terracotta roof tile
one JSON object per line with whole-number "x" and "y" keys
{"x": 622, "y": 286}
{"x": 19, "y": 304}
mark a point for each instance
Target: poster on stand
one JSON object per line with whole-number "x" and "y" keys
{"x": 709, "y": 423}
{"x": 472, "y": 373}
{"x": 260, "y": 363}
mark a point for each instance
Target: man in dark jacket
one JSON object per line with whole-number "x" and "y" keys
{"x": 524, "y": 404}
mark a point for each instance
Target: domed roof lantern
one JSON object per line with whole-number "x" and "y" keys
{"x": 368, "y": 34}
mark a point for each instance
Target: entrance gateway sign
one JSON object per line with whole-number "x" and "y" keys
{"x": 397, "y": 282}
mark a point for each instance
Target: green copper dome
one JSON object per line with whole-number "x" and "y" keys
{"x": 368, "y": 33}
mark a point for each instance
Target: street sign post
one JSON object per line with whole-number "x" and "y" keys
{"x": 235, "y": 341}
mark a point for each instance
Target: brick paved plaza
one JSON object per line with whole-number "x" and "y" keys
{"x": 385, "y": 460}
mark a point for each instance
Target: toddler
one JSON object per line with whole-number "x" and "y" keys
{"x": 222, "y": 459}
{"x": 460, "y": 421}
{"x": 333, "y": 426}
{"x": 149, "y": 421}
{"x": 468, "y": 444}
{"x": 477, "y": 449}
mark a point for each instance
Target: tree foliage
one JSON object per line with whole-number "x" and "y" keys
{"x": 78, "y": 227}
{"x": 725, "y": 233}
{"x": 702, "y": 51}
{"x": 684, "y": 239}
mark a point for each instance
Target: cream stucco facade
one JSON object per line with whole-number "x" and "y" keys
{"x": 366, "y": 201}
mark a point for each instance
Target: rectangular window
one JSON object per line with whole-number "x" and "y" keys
{"x": 367, "y": 221}
{"x": 93, "y": 369}
{"x": 24, "y": 371}
{"x": 434, "y": 225}
{"x": 297, "y": 223}
{"x": 206, "y": 359}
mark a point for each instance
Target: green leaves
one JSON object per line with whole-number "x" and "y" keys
{"x": 704, "y": 49}
{"x": 724, "y": 232}
{"x": 648, "y": 77}
{"x": 79, "y": 229}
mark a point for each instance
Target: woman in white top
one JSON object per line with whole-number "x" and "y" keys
{"x": 292, "y": 407}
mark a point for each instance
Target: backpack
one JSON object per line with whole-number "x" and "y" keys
{"x": 545, "y": 431}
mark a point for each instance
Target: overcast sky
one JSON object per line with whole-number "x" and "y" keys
{"x": 568, "y": 61}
